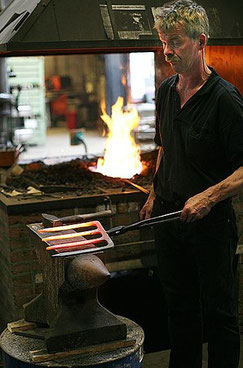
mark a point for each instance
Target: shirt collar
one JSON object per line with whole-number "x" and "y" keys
{"x": 206, "y": 88}
{"x": 210, "y": 83}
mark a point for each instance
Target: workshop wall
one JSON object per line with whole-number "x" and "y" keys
{"x": 75, "y": 85}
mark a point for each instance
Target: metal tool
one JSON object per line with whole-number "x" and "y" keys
{"x": 50, "y": 220}
{"x": 146, "y": 191}
{"x": 92, "y": 239}
{"x": 93, "y": 229}
{"x": 97, "y": 231}
{"x": 144, "y": 223}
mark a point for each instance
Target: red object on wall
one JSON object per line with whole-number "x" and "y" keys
{"x": 56, "y": 82}
{"x": 71, "y": 120}
{"x": 59, "y": 105}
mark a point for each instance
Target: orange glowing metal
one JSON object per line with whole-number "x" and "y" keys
{"x": 83, "y": 243}
{"x": 122, "y": 154}
{"x": 78, "y": 249}
{"x": 66, "y": 227}
{"x": 73, "y": 235}
{"x": 75, "y": 244}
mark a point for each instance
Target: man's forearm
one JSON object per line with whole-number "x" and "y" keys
{"x": 159, "y": 156}
{"x": 227, "y": 188}
{"x": 200, "y": 205}
{"x": 146, "y": 211}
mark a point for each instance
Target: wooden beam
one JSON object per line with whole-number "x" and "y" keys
{"x": 44, "y": 356}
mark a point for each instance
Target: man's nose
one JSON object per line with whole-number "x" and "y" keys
{"x": 168, "y": 51}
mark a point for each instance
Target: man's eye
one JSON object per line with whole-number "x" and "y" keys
{"x": 176, "y": 44}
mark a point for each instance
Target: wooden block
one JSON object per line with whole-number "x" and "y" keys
{"x": 20, "y": 325}
{"x": 44, "y": 356}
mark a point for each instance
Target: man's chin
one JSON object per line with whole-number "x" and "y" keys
{"x": 175, "y": 67}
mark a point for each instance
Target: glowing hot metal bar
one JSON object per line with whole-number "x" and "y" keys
{"x": 81, "y": 243}
{"x": 73, "y": 235}
{"x": 66, "y": 227}
{"x": 75, "y": 244}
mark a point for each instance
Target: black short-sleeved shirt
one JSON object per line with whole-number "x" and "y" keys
{"x": 202, "y": 142}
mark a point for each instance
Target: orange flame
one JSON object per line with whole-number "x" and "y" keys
{"x": 122, "y": 154}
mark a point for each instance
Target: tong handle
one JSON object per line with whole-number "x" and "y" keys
{"x": 147, "y": 222}
{"x": 168, "y": 217}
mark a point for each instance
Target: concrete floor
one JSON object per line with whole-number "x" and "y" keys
{"x": 161, "y": 359}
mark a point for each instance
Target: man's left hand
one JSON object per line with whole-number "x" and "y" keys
{"x": 196, "y": 208}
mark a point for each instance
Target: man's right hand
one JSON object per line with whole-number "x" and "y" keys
{"x": 146, "y": 211}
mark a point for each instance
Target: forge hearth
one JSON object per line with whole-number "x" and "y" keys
{"x": 76, "y": 177}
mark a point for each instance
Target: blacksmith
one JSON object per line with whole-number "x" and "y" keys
{"x": 199, "y": 169}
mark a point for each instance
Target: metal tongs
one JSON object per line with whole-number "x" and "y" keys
{"x": 74, "y": 243}
{"x": 172, "y": 216}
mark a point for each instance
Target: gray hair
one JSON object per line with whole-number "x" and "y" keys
{"x": 184, "y": 12}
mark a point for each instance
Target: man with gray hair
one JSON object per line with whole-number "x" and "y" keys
{"x": 199, "y": 129}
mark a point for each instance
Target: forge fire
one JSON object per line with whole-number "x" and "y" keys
{"x": 122, "y": 154}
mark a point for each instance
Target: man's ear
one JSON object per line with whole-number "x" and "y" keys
{"x": 202, "y": 41}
